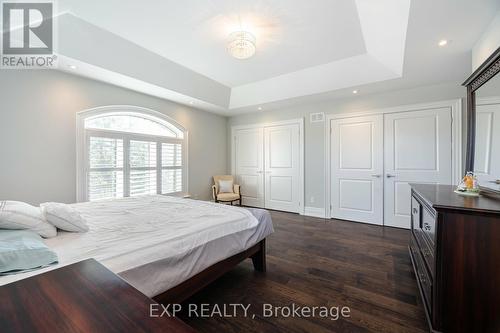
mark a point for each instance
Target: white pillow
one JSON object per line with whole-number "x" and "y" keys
{"x": 225, "y": 186}
{"x": 64, "y": 217}
{"x": 20, "y": 215}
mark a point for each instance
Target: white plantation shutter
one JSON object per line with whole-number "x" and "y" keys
{"x": 133, "y": 154}
{"x": 171, "y": 181}
{"x": 171, "y": 166}
{"x": 105, "y": 176}
{"x": 143, "y": 168}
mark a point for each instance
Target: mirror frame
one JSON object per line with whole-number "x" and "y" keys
{"x": 483, "y": 74}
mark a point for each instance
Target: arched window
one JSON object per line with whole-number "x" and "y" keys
{"x": 129, "y": 151}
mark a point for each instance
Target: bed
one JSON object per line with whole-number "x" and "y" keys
{"x": 166, "y": 247}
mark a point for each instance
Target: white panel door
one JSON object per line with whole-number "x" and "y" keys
{"x": 357, "y": 169}
{"x": 417, "y": 150}
{"x": 282, "y": 167}
{"x": 249, "y": 165}
{"x": 487, "y": 147}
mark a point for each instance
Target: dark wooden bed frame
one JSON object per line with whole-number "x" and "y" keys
{"x": 191, "y": 286}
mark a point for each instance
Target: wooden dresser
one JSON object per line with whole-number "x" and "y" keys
{"x": 455, "y": 251}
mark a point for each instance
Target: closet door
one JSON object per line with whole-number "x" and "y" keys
{"x": 249, "y": 165}
{"x": 417, "y": 150}
{"x": 282, "y": 167}
{"x": 357, "y": 169}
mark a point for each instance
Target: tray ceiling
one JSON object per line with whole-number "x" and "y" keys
{"x": 177, "y": 49}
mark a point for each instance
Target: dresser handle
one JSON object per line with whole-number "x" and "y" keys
{"x": 427, "y": 226}
{"x": 415, "y": 211}
{"x": 426, "y": 252}
{"x": 422, "y": 278}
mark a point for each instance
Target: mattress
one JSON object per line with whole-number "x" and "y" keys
{"x": 157, "y": 242}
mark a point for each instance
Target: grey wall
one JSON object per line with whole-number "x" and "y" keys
{"x": 315, "y": 132}
{"x": 37, "y": 133}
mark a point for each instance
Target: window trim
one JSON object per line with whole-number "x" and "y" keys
{"x": 82, "y": 137}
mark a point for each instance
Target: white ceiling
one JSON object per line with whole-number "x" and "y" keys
{"x": 291, "y": 35}
{"x": 304, "y": 48}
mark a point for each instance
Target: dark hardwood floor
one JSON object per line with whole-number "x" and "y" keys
{"x": 316, "y": 262}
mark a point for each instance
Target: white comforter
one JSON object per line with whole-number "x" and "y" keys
{"x": 157, "y": 242}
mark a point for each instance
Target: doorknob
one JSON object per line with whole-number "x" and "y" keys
{"x": 390, "y": 176}
{"x": 376, "y": 176}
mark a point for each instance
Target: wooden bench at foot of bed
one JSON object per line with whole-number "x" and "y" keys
{"x": 191, "y": 286}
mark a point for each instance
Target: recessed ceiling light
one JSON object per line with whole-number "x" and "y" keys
{"x": 72, "y": 67}
{"x": 354, "y": 91}
{"x": 443, "y": 42}
{"x": 259, "y": 108}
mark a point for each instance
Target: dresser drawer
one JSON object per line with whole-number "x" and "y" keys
{"x": 415, "y": 213}
{"x": 421, "y": 274}
{"x": 429, "y": 225}
{"x": 426, "y": 250}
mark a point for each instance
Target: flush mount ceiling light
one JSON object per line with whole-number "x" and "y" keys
{"x": 241, "y": 45}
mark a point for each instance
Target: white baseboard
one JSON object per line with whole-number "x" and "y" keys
{"x": 314, "y": 212}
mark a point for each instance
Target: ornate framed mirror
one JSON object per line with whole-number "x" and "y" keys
{"x": 483, "y": 124}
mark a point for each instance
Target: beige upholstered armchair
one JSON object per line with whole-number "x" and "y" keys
{"x": 226, "y": 192}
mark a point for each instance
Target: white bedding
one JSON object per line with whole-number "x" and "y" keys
{"x": 156, "y": 242}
